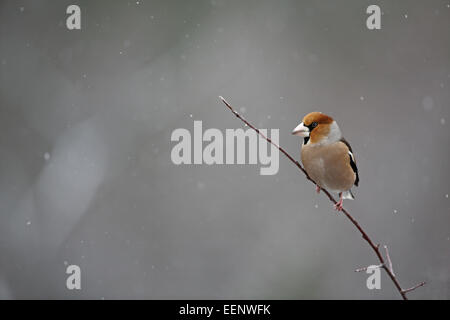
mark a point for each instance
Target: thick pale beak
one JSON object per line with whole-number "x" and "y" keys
{"x": 301, "y": 131}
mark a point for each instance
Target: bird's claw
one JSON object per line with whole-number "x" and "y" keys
{"x": 338, "y": 206}
{"x": 318, "y": 189}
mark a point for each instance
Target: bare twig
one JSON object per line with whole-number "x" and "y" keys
{"x": 413, "y": 288}
{"x": 366, "y": 268}
{"x": 375, "y": 247}
{"x": 388, "y": 257}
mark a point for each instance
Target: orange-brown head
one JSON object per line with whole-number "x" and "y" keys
{"x": 317, "y": 127}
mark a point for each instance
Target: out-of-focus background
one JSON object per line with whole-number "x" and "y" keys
{"x": 86, "y": 176}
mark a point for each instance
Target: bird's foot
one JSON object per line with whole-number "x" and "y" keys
{"x": 318, "y": 189}
{"x": 338, "y": 206}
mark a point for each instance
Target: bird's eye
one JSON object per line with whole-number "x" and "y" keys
{"x": 314, "y": 124}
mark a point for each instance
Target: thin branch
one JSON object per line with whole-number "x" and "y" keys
{"x": 414, "y": 288}
{"x": 366, "y": 268}
{"x": 375, "y": 247}
{"x": 388, "y": 257}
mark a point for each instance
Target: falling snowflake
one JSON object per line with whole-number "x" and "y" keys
{"x": 47, "y": 156}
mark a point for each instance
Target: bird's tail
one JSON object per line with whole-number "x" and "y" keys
{"x": 348, "y": 195}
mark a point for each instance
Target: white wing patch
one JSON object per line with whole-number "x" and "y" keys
{"x": 351, "y": 156}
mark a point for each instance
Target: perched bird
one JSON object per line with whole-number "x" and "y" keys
{"x": 327, "y": 156}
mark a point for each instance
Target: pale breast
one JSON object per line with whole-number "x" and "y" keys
{"x": 329, "y": 166}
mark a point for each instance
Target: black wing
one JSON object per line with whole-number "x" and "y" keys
{"x": 352, "y": 161}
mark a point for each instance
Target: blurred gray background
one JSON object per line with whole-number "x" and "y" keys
{"x": 86, "y": 176}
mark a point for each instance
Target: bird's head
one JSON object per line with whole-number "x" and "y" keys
{"x": 317, "y": 127}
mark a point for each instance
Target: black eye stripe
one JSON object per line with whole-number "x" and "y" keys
{"x": 312, "y": 126}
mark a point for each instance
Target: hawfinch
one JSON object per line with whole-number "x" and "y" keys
{"x": 327, "y": 156}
